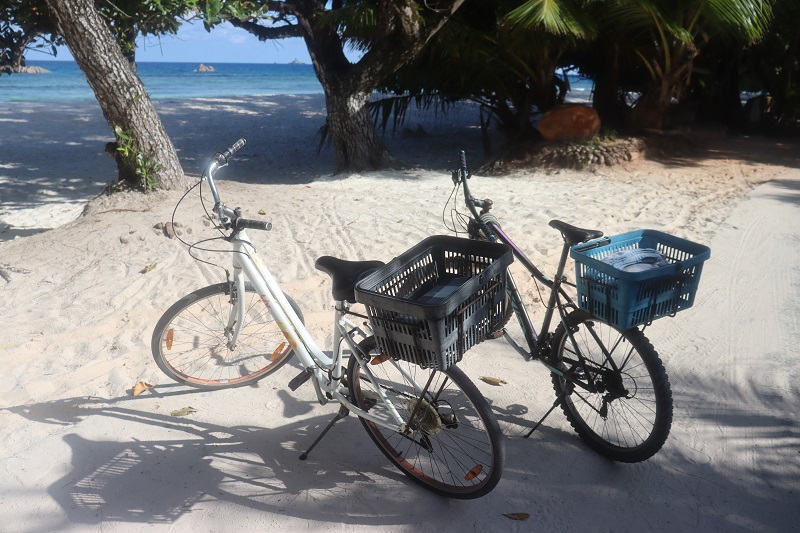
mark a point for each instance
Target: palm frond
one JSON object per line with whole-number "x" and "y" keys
{"x": 561, "y": 17}
{"x": 749, "y": 18}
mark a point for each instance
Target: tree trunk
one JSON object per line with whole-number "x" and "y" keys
{"x": 649, "y": 111}
{"x": 355, "y": 140}
{"x": 347, "y": 87}
{"x": 122, "y": 97}
{"x": 606, "y": 99}
{"x": 18, "y": 53}
{"x": 400, "y": 34}
{"x": 784, "y": 105}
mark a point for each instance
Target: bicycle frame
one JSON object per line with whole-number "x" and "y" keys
{"x": 326, "y": 371}
{"x": 538, "y": 343}
{"x": 537, "y": 347}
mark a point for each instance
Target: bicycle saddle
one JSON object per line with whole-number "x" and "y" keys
{"x": 574, "y": 235}
{"x": 345, "y": 275}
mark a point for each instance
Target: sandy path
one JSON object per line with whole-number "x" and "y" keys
{"x": 80, "y": 453}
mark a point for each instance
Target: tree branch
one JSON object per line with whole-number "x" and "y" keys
{"x": 265, "y": 33}
{"x": 406, "y": 33}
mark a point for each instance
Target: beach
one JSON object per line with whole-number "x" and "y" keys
{"x": 81, "y": 453}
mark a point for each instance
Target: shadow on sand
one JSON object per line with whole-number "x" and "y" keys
{"x": 171, "y": 467}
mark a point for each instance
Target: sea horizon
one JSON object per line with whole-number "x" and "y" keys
{"x": 179, "y": 79}
{"x": 164, "y": 79}
{"x": 139, "y": 62}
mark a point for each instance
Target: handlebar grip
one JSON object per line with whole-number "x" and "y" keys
{"x": 462, "y": 160}
{"x": 244, "y": 223}
{"x": 235, "y": 147}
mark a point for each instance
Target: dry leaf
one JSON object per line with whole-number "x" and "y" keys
{"x": 517, "y": 516}
{"x": 147, "y": 269}
{"x": 262, "y": 212}
{"x": 493, "y": 381}
{"x": 399, "y": 221}
{"x": 141, "y": 387}
{"x": 184, "y": 412}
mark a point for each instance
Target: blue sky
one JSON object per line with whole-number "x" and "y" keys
{"x": 224, "y": 44}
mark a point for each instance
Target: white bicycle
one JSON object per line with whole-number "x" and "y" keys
{"x": 432, "y": 424}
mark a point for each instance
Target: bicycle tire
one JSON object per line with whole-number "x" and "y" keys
{"x": 189, "y": 343}
{"x": 629, "y": 418}
{"x": 454, "y": 447}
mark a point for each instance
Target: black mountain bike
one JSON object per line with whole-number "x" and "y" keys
{"x": 608, "y": 379}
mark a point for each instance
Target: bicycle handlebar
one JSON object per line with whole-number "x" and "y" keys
{"x": 461, "y": 176}
{"x": 235, "y": 147}
{"x": 244, "y": 223}
{"x": 229, "y": 217}
{"x": 220, "y": 160}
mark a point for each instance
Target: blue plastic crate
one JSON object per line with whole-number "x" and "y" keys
{"x": 628, "y": 299}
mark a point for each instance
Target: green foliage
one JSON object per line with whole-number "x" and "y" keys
{"x": 145, "y": 166}
{"x": 773, "y": 64}
{"x": 674, "y": 32}
{"x": 502, "y": 55}
{"x": 558, "y": 17}
{"x": 24, "y": 24}
{"x": 216, "y": 11}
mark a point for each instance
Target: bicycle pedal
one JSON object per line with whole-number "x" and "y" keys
{"x": 299, "y": 379}
{"x": 494, "y": 335}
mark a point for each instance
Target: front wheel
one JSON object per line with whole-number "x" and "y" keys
{"x": 190, "y": 342}
{"x": 618, "y": 397}
{"x": 453, "y": 445}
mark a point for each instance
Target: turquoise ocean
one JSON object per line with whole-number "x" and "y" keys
{"x": 66, "y": 82}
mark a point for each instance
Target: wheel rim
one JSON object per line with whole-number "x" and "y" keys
{"x": 195, "y": 347}
{"x": 448, "y": 448}
{"x": 624, "y": 410}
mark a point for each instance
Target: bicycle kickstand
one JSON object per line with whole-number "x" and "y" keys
{"x": 343, "y": 412}
{"x": 558, "y": 401}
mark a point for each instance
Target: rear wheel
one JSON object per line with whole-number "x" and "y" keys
{"x": 190, "y": 343}
{"x": 453, "y": 446}
{"x": 620, "y": 402}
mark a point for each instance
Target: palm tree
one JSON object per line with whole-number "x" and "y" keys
{"x": 668, "y": 35}
{"x": 775, "y": 61}
{"x": 502, "y": 55}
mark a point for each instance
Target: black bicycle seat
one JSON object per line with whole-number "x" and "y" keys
{"x": 345, "y": 275}
{"x": 574, "y": 235}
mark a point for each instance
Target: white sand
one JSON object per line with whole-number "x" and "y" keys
{"x": 79, "y": 453}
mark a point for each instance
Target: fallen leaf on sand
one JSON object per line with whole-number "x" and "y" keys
{"x": 141, "y": 387}
{"x": 147, "y": 269}
{"x": 517, "y": 516}
{"x": 183, "y": 412}
{"x": 493, "y": 381}
{"x": 262, "y": 212}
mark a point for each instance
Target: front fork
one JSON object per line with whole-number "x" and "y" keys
{"x": 236, "y": 318}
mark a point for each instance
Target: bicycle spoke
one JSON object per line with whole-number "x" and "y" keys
{"x": 626, "y": 410}
{"x": 191, "y": 345}
{"x": 451, "y": 446}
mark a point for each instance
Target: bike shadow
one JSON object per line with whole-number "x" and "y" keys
{"x": 170, "y": 466}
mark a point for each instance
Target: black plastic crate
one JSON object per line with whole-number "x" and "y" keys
{"x": 437, "y": 300}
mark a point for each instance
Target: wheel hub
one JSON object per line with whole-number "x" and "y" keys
{"x": 426, "y": 418}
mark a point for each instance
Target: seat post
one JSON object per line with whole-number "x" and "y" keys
{"x": 551, "y": 303}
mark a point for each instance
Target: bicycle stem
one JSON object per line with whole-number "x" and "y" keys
{"x": 220, "y": 160}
